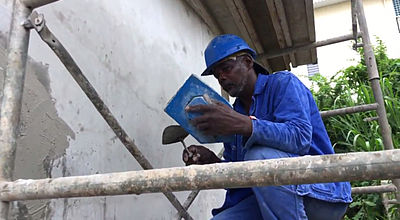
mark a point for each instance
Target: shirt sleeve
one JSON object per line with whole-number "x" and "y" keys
{"x": 227, "y": 153}
{"x": 291, "y": 129}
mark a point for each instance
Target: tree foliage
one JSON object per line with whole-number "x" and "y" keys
{"x": 351, "y": 133}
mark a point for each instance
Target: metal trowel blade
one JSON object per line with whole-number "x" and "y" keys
{"x": 173, "y": 134}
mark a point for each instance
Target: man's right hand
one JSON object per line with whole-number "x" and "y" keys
{"x": 200, "y": 155}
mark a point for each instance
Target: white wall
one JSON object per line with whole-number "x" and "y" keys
{"x": 136, "y": 54}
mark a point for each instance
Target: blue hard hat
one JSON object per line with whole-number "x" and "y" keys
{"x": 223, "y": 46}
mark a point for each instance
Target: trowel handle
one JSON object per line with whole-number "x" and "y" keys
{"x": 184, "y": 146}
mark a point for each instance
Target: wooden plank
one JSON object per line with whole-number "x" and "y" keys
{"x": 280, "y": 9}
{"x": 311, "y": 27}
{"x": 245, "y": 26}
{"x": 204, "y": 14}
{"x": 278, "y": 29}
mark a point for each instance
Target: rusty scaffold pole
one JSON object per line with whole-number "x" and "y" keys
{"x": 12, "y": 95}
{"x": 374, "y": 189}
{"x": 374, "y": 79}
{"x": 348, "y": 110}
{"x": 13, "y": 88}
{"x": 282, "y": 171}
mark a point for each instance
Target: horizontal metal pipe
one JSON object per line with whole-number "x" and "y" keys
{"x": 393, "y": 201}
{"x": 32, "y": 4}
{"x": 374, "y": 189}
{"x": 283, "y": 171}
{"x": 349, "y": 110}
{"x": 376, "y": 118}
{"x": 285, "y": 51}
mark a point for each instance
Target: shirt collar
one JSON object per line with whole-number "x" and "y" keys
{"x": 258, "y": 89}
{"x": 260, "y": 84}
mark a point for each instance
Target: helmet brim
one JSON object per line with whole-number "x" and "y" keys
{"x": 257, "y": 67}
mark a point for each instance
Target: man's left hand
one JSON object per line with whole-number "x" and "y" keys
{"x": 219, "y": 119}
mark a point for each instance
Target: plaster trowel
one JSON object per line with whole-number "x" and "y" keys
{"x": 174, "y": 134}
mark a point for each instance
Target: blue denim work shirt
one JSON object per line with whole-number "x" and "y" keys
{"x": 288, "y": 119}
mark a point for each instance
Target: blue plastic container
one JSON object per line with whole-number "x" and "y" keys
{"x": 191, "y": 93}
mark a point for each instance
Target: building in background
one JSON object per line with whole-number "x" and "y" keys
{"x": 396, "y": 4}
{"x": 333, "y": 18}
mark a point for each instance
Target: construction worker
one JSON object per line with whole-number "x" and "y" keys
{"x": 273, "y": 116}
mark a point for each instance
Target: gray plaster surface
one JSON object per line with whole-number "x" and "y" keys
{"x": 136, "y": 54}
{"x": 43, "y": 136}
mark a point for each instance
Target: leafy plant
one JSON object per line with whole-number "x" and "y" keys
{"x": 352, "y": 133}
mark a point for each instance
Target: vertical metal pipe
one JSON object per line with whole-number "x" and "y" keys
{"x": 375, "y": 84}
{"x": 374, "y": 77}
{"x": 354, "y": 19}
{"x": 12, "y": 94}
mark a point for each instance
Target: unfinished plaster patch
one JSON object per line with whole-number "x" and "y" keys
{"x": 4, "y": 22}
{"x": 43, "y": 136}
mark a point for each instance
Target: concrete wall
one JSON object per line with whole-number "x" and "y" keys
{"x": 136, "y": 54}
{"x": 335, "y": 20}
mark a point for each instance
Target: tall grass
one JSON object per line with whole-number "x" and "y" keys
{"x": 350, "y": 133}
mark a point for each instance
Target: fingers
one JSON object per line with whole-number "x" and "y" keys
{"x": 193, "y": 158}
{"x": 193, "y": 148}
{"x": 199, "y": 120}
{"x": 187, "y": 159}
{"x": 198, "y": 108}
{"x": 210, "y": 100}
{"x": 201, "y": 155}
{"x": 202, "y": 123}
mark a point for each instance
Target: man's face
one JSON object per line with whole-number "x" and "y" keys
{"x": 232, "y": 75}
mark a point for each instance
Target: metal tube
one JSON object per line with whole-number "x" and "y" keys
{"x": 371, "y": 119}
{"x": 32, "y": 4}
{"x": 283, "y": 171}
{"x": 372, "y": 69}
{"x": 349, "y": 110}
{"x": 374, "y": 77}
{"x": 354, "y": 19}
{"x": 101, "y": 107}
{"x": 393, "y": 202}
{"x": 286, "y": 51}
{"x": 374, "y": 189}
{"x": 12, "y": 95}
{"x": 192, "y": 196}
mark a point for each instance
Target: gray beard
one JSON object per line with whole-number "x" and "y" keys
{"x": 239, "y": 89}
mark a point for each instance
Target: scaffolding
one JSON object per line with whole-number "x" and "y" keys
{"x": 307, "y": 169}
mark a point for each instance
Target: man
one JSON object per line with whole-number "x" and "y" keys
{"x": 274, "y": 116}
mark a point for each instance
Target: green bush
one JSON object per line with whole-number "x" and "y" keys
{"x": 350, "y": 133}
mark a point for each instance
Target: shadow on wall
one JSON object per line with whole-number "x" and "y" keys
{"x": 43, "y": 136}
